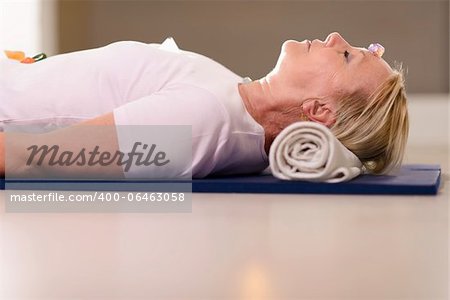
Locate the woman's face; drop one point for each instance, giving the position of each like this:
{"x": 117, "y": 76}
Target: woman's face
{"x": 325, "y": 71}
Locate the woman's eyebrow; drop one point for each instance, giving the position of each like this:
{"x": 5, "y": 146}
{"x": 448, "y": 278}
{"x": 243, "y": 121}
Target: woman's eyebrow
{"x": 364, "y": 56}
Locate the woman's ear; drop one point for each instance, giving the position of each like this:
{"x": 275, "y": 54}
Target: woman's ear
{"x": 319, "y": 112}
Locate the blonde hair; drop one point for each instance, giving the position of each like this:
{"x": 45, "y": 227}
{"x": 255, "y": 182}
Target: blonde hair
{"x": 376, "y": 128}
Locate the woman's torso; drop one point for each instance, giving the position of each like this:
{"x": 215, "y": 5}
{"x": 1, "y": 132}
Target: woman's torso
{"x": 68, "y": 88}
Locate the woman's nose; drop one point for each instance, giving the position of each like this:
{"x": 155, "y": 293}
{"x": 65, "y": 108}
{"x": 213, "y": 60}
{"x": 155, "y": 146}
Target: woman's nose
{"x": 335, "y": 39}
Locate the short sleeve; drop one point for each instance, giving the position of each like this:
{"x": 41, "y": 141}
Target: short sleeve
{"x": 182, "y": 104}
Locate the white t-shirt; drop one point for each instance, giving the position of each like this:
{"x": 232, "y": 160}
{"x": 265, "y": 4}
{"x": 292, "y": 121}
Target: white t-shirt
{"x": 143, "y": 84}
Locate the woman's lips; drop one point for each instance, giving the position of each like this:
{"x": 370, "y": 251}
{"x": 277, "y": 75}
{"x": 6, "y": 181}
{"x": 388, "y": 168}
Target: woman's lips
{"x": 308, "y": 44}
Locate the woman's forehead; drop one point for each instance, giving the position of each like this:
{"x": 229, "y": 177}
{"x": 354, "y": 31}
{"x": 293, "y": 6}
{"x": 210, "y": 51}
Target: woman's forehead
{"x": 375, "y": 67}
{"x": 368, "y": 74}
{"x": 376, "y": 61}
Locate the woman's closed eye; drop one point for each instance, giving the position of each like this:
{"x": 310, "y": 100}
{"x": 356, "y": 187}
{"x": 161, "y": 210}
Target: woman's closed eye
{"x": 346, "y": 54}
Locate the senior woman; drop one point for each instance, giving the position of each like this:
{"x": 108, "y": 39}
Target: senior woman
{"x": 234, "y": 121}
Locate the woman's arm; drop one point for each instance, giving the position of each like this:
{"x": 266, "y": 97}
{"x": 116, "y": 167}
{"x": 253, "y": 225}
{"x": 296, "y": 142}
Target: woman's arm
{"x": 99, "y": 133}
{"x": 192, "y": 148}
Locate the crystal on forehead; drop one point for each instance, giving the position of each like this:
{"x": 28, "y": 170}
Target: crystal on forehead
{"x": 376, "y": 49}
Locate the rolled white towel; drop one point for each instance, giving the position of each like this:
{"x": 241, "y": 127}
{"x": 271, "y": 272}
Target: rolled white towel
{"x": 309, "y": 151}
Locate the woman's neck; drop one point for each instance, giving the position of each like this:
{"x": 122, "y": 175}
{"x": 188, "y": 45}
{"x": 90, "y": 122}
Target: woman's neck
{"x": 255, "y": 96}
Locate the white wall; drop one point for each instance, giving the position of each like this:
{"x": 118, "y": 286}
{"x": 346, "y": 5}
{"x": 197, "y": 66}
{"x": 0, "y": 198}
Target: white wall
{"x": 20, "y": 25}
{"x": 429, "y": 120}
{"x": 429, "y": 132}
{"x": 28, "y": 25}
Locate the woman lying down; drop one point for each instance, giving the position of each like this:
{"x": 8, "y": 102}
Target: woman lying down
{"x": 234, "y": 120}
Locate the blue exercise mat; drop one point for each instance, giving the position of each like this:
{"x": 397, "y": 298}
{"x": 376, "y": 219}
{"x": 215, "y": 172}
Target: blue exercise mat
{"x": 411, "y": 180}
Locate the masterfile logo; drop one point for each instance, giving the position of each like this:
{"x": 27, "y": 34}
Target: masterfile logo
{"x": 99, "y": 152}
